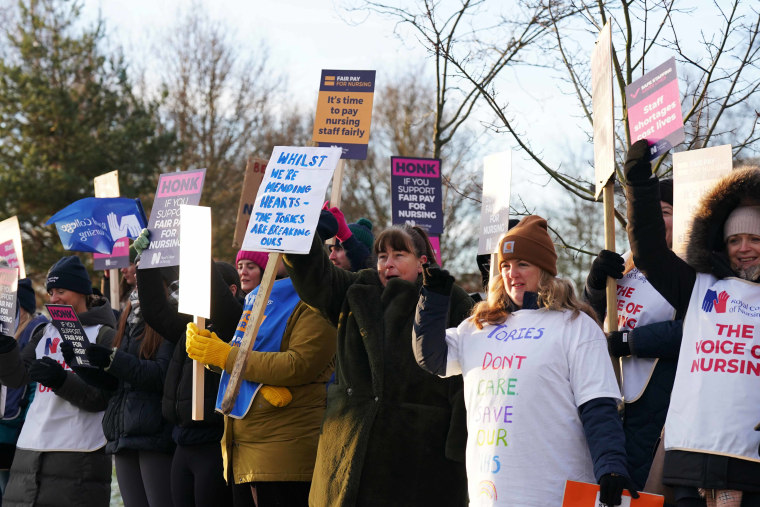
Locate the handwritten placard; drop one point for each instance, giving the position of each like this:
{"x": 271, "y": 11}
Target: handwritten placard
{"x": 290, "y": 199}
{"x": 65, "y": 320}
{"x": 174, "y": 189}
{"x": 417, "y": 194}
{"x": 494, "y": 208}
{"x": 10, "y": 245}
{"x": 8, "y": 290}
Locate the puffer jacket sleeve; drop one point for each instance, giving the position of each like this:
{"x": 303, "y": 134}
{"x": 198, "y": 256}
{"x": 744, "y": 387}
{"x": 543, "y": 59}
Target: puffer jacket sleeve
{"x": 311, "y": 347}
{"x": 143, "y": 374}
{"x": 156, "y": 309}
{"x": 319, "y": 283}
{"x": 14, "y": 364}
{"x": 456, "y": 440}
{"x": 80, "y": 394}
{"x": 658, "y": 340}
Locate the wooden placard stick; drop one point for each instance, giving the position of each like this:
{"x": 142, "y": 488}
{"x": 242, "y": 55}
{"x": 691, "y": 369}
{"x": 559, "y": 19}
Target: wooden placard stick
{"x": 611, "y": 320}
{"x": 335, "y": 194}
{"x": 251, "y": 330}
{"x": 199, "y": 379}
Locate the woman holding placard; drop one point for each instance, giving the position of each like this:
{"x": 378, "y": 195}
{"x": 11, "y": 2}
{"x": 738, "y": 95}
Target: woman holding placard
{"x": 60, "y": 458}
{"x": 540, "y": 391}
{"x": 709, "y": 439}
{"x": 389, "y": 428}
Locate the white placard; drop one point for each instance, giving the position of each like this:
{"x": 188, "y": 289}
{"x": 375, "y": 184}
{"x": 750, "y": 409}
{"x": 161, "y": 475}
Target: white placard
{"x": 494, "y": 208}
{"x": 10, "y": 245}
{"x": 290, "y": 199}
{"x": 195, "y": 260}
{"x": 694, "y": 174}
{"x": 603, "y": 108}
{"x": 107, "y": 185}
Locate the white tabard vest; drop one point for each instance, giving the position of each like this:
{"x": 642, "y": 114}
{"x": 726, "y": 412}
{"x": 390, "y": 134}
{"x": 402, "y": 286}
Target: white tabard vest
{"x": 716, "y": 397}
{"x": 52, "y": 423}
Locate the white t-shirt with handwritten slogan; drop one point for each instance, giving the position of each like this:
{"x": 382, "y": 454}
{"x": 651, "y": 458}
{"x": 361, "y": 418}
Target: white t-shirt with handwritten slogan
{"x": 524, "y": 381}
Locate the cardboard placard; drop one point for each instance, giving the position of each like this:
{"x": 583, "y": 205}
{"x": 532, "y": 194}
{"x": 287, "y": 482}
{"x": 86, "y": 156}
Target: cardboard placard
{"x": 290, "y": 199}
{"x": 10, "y": 245}
{"x": 602, "y": 100}
{"x": 344, "y": 111}
{"x": 654, "y": 109}
{"x": 107, "y": 185}
{"x": 195, "y": 261}
{"x": 65, "y": 320}
{"x": 695, "y": 172}
{"x": 254, "y": 173}
{"x": 174, "y": 189}
{"x": 583, "y": 494}
{"x": 8, "y": 291}
{"x": 417, "y": 194}
{"x": 494, "y": 207}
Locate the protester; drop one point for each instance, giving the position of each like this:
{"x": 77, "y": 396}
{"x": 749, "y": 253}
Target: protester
{"x": 17, "y": 400}
{"x": 351, "y": 250}
{"x": 250, "y": 267}
{"x": 60, "y": 458}
{"x": 137, "y": 434}
{"x": 709, "y": 439}
{"x": 231, "y": 278}
{"x": 271, "y": 434}
{"x": 197, "y": 477}
{"x": 388, "y": 425}
{"x": 540, "y": 390}
{"x": 647, "y": 342}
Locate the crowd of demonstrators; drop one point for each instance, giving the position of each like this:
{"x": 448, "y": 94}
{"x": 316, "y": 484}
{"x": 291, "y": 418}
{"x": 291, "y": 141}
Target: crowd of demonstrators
{"x": 646, "y": 343}
{"x": 711, "y": 450}
{"x": 60, "y": 454}
{"x": 389, "y": 427}
{"x": 271, "y": 434}
{"x": 555, "y": 417}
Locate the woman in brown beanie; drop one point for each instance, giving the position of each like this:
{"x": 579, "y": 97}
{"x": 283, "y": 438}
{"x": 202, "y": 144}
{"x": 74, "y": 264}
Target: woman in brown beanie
{"x": 539, "y": 387}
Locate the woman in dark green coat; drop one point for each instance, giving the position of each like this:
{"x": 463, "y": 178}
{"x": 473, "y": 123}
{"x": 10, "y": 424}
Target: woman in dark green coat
{"x": 392, "y": 435}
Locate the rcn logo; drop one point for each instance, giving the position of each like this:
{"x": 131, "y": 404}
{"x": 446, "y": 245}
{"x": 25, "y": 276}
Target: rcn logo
{"x": 716, "y": 301}
{"x": 51, "y": 346}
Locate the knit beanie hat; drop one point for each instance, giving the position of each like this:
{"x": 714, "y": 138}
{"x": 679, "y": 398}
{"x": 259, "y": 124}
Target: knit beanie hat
{"x": 229, "y": 273}
{"x": 529, "y": 240}
{"x": 26, "y": 298}
{"x": 362, "y": 231}
{"x": 258, "y": 258}
{"x": 666, "y": 190}
{"x": 743, "y": 220}
{"x": 69, "y": 273}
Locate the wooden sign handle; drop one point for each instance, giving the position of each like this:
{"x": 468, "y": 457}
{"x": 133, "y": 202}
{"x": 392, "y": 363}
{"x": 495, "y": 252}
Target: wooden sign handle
{"x": 113, "y": 278}
{"x": 198, "y": 380}
{"x": 611, "y": 320}
{"x": 251, "y": 330}
{"x": 335, "y": 195}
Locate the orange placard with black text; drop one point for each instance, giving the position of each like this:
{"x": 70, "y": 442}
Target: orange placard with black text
{"x": 583, "y": 494}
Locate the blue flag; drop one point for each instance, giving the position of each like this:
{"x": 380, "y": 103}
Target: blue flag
{"x": 93, "y": 224}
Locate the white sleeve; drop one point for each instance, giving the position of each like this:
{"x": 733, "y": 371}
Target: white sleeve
{"x": 591, "y": 373}
{"x": 453, "y": 356}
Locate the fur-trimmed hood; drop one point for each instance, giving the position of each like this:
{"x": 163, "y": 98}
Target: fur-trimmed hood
{"x": 705, "y": 249}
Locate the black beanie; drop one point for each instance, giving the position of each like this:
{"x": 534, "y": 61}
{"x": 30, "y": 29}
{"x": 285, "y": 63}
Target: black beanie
{"x": 666, "y": 190}
{"x": 26, "y": 297}
{"x": 228, "y": 272}
{"x": 69, "y": 273}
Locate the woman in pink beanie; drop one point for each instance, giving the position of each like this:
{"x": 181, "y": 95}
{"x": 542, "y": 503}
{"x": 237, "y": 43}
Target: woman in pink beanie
{"x": 250, "y": 266}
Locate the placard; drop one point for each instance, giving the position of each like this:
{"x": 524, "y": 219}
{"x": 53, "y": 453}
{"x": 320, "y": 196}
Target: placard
{"x": 10, "y": 245}
{"x": 65, "y": 320}
{"x": 8, "y": 291}
{"x": 654, "y": 109}
{"x": 435, "y": 242}
{"x": 602, "y": 100}
{"x": 344, "y": 111}
{"x": 174, "y": 190}
{"x": 290, "y": 199}
{"x": 494, "y": 207}
{"x": 254, "y": 173}
{"x": 417, "y": 194}
{"x": 583, "y": 494}
{"x": 118, "y": 259}
{"x": 107, "y": 185}
{"x": 195, "y": 261}
{"x": 695, "y": 172}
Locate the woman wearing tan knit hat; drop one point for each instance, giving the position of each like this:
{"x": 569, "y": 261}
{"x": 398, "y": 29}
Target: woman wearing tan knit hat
{"x": 539, "y": 387}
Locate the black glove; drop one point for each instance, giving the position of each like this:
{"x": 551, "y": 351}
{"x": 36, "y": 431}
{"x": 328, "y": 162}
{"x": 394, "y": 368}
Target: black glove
{"x": 327, "y": 226}
{"x": 6, "y": 343}
{"x": 617, "y": 343}
{"x": 611, "y": 486}
{"x": 67, "y": 349}
{"x": 98, "y": 355}
{"x": 47, "y": 372}
{"x": 607, "y": 263}
{"x": 437, "y": 280}
{"x": 637, "y": 167}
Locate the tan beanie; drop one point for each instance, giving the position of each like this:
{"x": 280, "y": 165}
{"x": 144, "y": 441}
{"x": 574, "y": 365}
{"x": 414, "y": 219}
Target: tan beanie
{"x": 743, "y": 220}
{"x": 529, "y": 241}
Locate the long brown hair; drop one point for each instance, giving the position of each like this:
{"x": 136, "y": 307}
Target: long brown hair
{"x": 553, "y": 293}
{"x": 149, "y": 337}
{"x": 405, "y": 238}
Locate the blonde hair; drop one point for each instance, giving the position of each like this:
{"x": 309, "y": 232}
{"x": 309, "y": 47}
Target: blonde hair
{"x": 553, "y": 294}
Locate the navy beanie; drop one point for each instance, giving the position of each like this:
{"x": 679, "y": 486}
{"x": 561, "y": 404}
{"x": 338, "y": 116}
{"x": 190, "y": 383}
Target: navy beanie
{"x": 69, "y": 273}
{"x": 26, "y": 297}
{"x": 666, "y": 190}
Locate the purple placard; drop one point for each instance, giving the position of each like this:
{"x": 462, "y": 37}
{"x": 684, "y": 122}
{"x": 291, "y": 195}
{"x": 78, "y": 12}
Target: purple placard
{"x": 8, "y": 290}
{"x": 174, "y": 189}
{"x": 416, "y": 189}
{"x": 118, "y": 259}
{"x": 654, "y": 109}
{"x": 65, "y": 320}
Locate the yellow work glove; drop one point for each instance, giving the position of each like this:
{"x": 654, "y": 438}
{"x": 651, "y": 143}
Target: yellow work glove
{"x": 276, "y": 395}
{"x": 204, "y": 346}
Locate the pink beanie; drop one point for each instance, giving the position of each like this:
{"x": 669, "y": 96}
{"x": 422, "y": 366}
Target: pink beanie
{"x": 258, "y": 258}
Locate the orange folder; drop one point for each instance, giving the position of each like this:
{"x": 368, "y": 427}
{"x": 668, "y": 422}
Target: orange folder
{"x": 583, "y": 494}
